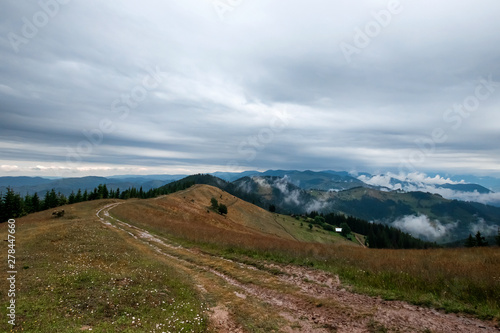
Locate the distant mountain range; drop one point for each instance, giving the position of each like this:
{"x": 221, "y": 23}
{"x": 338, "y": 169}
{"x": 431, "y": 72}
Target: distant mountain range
{"x": 446, "y": 187}
{"x": 31, "y": 185}
{"x": 424, "y": 215}
{"x": 432, "y": 208}
{"x": 307, "y": 180}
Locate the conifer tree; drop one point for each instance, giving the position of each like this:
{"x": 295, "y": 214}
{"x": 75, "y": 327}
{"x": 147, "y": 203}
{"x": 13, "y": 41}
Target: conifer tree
{"x": 61, "y": 199}
{"x": 12, "y": 205}
{"x": 28, "y": 209}
{"x": 36, "y": 205}
{"x": 72, "y": 198}
{"x": 50, "y": 200}
{"x": 470, "y": 242}
{"x": 78, "y": 197}
{"x": 2, "y": 217}
{"x": 480, "y": 240}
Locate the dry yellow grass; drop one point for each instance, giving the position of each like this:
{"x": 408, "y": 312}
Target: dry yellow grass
{"x": 75, "y": 274}
{"x": 465, "y": 280}
{"x": 96, "y": 259}
{"x": 187, "y": 215}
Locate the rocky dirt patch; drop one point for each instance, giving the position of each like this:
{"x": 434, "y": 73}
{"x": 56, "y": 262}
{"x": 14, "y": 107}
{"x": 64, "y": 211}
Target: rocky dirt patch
{"x": 309, "y": 300}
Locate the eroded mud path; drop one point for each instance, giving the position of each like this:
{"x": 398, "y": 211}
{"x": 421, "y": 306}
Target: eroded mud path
{"x": 304, "y": 300}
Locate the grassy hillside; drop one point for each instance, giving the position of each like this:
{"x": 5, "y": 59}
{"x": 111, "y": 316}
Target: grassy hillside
{"x": 75, "y": 274}
{"x": 190, "y": 210}
{"x": 171, "y": 264}
{"x": 457, "y": 280}
{"x": 374, "y": 205}
{"x": 362, "y": 202}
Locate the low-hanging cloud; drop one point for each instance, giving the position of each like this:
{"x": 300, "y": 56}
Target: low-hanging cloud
{"x": 418, "y": 181}
{"x": 261, "y": 182}
{"x": 484, "y": 227}
{"x": 291, "y": 196}
{"x": 400, "y": 181}
{"x": 316, "y": 206}
{"x": 422, "y": 227}
{"x": 492, "y": 198}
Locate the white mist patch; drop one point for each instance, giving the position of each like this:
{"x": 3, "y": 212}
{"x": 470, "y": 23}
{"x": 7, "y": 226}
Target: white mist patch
{"x": 422, "y": 178}
{"x": 492, "y": 198}
{"x": 290, "y": 196}
{"x": 483, "y": 227}
{"x": 282, "y": 185}
{"x": 316, "y": 206}
{"x": 379, "y": 180}
{"x": 245, "y": 187}
{"x": 422, "y": 227}
{"x": 293, "y": 197}
{"x": 417, "y": 180}
{"x": 261, "y": 182}
{"x": 421, "y": 182}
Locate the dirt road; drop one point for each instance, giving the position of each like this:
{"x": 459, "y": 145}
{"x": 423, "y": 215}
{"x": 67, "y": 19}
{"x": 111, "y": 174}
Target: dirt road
{"x": 297, "y": 298}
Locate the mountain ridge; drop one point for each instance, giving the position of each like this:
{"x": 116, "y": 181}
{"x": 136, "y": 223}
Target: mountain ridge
{"x": 428, "y": 216}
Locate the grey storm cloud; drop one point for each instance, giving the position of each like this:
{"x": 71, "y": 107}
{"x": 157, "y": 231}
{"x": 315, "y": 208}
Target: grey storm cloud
{"x": 154, "y": 86}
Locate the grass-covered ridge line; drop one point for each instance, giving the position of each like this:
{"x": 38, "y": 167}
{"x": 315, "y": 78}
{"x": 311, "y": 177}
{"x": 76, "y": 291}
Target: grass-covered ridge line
{"x": 456, "y": 280}
{"x": 79, "y": 275}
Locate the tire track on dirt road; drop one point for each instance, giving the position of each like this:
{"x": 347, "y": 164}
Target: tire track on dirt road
{"x": 160, "y": 244}
{"x": 309, "y": 300}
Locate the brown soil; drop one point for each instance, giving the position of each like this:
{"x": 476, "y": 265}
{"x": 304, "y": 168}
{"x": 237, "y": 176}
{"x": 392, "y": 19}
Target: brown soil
{"x": 306, "y": 300}
{"x": 222, "y": 322}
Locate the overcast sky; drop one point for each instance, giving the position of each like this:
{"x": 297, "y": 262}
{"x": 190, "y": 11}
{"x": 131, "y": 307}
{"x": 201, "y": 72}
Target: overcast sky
{"x": 147, "y": 87}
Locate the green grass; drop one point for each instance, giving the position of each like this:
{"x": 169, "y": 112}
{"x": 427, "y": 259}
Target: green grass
{"x": 74, "y": 273}
{"x": 82, "y": 276}
{"x": 455, "y": 280}
{"x": 427, "y": 278}
{"x": 304, "y": 234}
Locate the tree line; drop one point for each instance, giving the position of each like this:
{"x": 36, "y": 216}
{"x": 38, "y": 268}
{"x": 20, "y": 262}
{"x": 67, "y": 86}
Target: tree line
{"x": 378, "y": 236}
{"x": 13, "y": 205}
{"x": 479, "y": 241}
